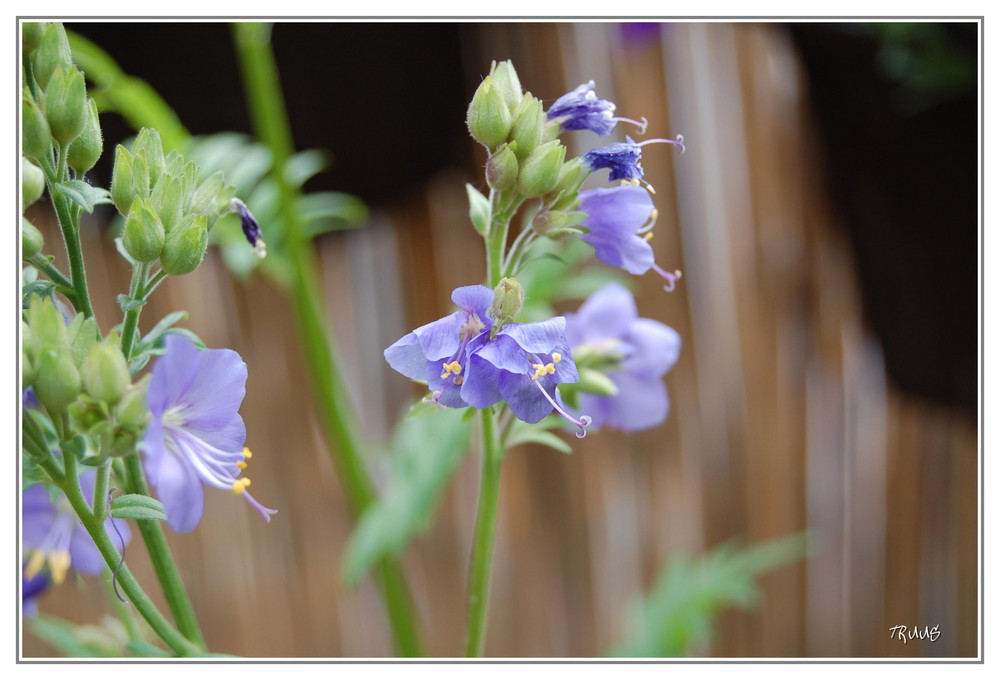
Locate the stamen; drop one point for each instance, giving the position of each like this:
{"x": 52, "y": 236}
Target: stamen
{"x": 641, "y": 125}
{"x": 671, "y": 278}
{"x": 676, "y": 142}
{"x": 434, "y": 399}
{"x": 458, "y": 380}
{"x": 242, "y": 466}
{"x": 35, "y": 563}
{"x": 648, "y": 236}
{"x": 58, "y": 565}
{"x": 247, "y": 453}
{"x": 556, "y": 357}
{"x": 582, "y": 423}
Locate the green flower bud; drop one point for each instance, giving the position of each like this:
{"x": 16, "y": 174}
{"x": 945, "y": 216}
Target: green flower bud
{"x": 36, "y": 138}
{"x": 508, "y": 300}
{"x": 212, "y": 197}
{"x": 32, "y": 240}
{"x": 132, "y": 412}
{"x": 140, "y": 175}
{"x": 557, "y": 222}
{"x": 27, "y": 370}
{"x": 501, "y": 168}
{"x": 86, "y": 149}
{"x": 540, "y": 171}
{"x": 596, "y": 382}
{"x": 91, "y": 417}
{"x": 148, "y": 140}
{"x": 46, "y": 324}
{"x": 57, "y": 382}
{"x": 121, "y": 180}
{"x": 105, "y": 373}
{"x": 167, "y": 200}
{"x": 66, "y": 104}
{"x": 144, "y": 235}
{"x": 185, "y": 246}
{"x": 489, "y": 118}
{"x": 31, "y": 35}
{"x": 83, "y": 335}
{"x": 527, "y": 130}
{"x": 32, "y": 182}
{"x": 53, "y": 53}
{"x": 505, "y": 77}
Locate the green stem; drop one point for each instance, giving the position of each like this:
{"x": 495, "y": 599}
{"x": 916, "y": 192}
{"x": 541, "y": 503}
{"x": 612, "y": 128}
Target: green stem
{"x": 496, "y": 242}
{"x": 71, "y": 487}
{"x": 132, "y": 316}
{"x": 334, "y": 409}
{"x": 101, "y": 489}
{"x": 63, "y": 284}
{"x": 69, "y": 224}
{"x": 482, "y": 542}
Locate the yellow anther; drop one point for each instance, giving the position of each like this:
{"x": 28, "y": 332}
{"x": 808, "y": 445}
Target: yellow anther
{"x": 240, "y": 485}
{"x": 458, "y": 380}
{"x": 635, "y": 182}
{"x": 648, "y": 236}
{"x": 59, "y": 565}
{"x": 538, "y": 367}
{"x": 444, "y": 376}
{"x": 241, "y": 465}
{"x": 654, "y": 213}
{"x": 550, "y": 369}
{"x": 534, "y": 377}
{"x": 247, "y": 453}
{"x": 35, "y": 564}
{"x": 556, "y": 357}
{"x": 651, "y": 188}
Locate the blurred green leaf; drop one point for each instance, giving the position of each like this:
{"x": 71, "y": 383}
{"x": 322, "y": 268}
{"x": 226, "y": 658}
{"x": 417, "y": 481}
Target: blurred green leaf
{"x": 137, "y": 506}
{"x": 677, "y": 614}
{"x": 538, "y": 433}
{"x": 85, "y": 195}
{"x": 424, "y": 455}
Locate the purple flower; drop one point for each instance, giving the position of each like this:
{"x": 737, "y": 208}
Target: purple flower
{"x": 582, "y": 110}
{"x": 31, "y": 589}
{"x": 622, "y": 158}
{"x": 196, "y": 434}
{"x": 250, "y": 226}
{"x": 466, "y": 361}
{"x": 620, "y": 222}
{"x": 634, "y": 353}
{"x": 53, "y": 534}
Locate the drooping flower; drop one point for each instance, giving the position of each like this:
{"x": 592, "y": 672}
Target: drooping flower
{"x": 54, "y": 536}
{"x": 622, "y": 159}
{"x": 582, "y": 110}
{"x": 620, "y": 221}
{"x": 250, "y": 226}
{"x": 470, "y": 359}
{"x": 196, "y": 434}
{"x": 606, "y": 333}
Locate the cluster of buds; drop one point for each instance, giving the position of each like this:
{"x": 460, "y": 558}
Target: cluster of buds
{"x": 72, "y": 371}
{"x": 168, "y": 212}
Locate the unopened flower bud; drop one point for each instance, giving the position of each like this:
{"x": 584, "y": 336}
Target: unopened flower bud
{"x": 552, "y": 222}
{"x": 47, "y": 324}
{"x": 32, "y": 182}
{"x": 66, "y": 104}
{"x": 527, "y": 130}
{"x": 31, "y": 35}
{"x": 144, "y": 235}
{"x": 540, "y": 171}
{"x": 83, "y": 335}
{"x": 571, "y": 177}
{"x": 132, "y": 411}
{"x": 185, "y": 246}
{"x": 508, "y": 300}
{"x": 212, "y": 197}
{"x": 148, "y": 140}
{"x": 489, "y": 118}
{"x": 57, "y": 382}
{"x": 53, "y": 52}
{"x": 36, "y": 138}
{"x": 501, "y": 168}
{"x": 121, "y": 180}
{"x": 167, "y": 200}
{"x": 87, "y": 148}
{"x": 105, "y": 373}
{"x": 506, "y": 79}
{"x": 32, "y": 240}
{"x": 595, "y": 382}
{"x": 27, "y": 370}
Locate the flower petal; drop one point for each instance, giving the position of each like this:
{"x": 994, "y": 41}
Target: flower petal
{"x": 642, "y": 402}
{"x": 439, "y": 339}
{"x": 537, "y": 337}
{"x": 504, "y": 353}
{"x": 406, "y": 356}
{"x": 521, "y": 394}
{"x": 172, "y": 373}
{"x": 480, "y": 387}
{"x": 217, "y": 391}
{"x": 229, "y": 437}
{"x": 38, "y": 514}
{"x": 657, "y": 347}
{"x": 179, "y": 488}
{"x": 606, "y": 314}
{"x": 474, "y": 299}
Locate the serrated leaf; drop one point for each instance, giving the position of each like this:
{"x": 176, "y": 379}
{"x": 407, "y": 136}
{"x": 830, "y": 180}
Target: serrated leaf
{"x": 424, "y": 455}
{"x": 127, "y": 303}
{"x": 479, "y": 209}
{"x": 83, "y": 194}
{"x": 137, "y": 506}
{"x": 40, "y": 287}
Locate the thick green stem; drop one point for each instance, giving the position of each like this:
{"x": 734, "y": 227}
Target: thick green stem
{"x": 334, "y": 409}
{"x": 101, "y": 483}
{"x": 69, "y": 223}
{"x": 132, "y": 316}
{"x": 482, "y": 542}
{"x": 170, "y": 635}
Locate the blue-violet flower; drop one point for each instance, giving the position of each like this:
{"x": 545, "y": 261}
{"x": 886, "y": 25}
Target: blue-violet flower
{"x": 582, "y": 110}
{"x": 634, "y": 353}
{"x": 32, "y": 588}
{"x": 468, "y": 361}
{"x": 620, "y": 221}
{"x": 622, "y": 159}
{"x": 53, "y": 535}
{"x": 196, "y": 434}
{"x": 250, "y": 226}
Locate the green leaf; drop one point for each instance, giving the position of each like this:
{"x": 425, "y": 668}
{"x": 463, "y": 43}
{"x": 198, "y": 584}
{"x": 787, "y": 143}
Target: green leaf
{"x": 83, "y": 194}
{"x": 41, "y": 287}
{"x": 479, "y": 209}
{"x": 153, "y": 337}
{"x": 127, "y": 303}
{"x": 137, "y": 506}
{"x": 677, "y": 614}
{"x": 425, "y": 453}
{"x": 143, "y": 649}
{"x": 62, "y": 635}
{"x": 537, "y": 433}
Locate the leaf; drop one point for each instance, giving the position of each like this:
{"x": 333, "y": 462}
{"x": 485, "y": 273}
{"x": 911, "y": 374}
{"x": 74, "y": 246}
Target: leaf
{"x": 479, "y": 209}
{"x": 678, "y": 612}
{"x": 537, "y": 433}
{"x": 127, "y": 303}
{"x": 62, "y": 635}
{"x": 137, "y": 506}
{"x": 143, "y": 649}
{"x": 424, "y": 455}
{"x": 138, "y": 362}
{"x": 153, "y": 336}
{"x": 40, "y": 287}
{"x": 83, "y": 194}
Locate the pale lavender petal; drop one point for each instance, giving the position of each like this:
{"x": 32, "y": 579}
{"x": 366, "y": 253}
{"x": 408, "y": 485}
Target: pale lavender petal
{"x": 228, "y": 437}
{"x": 629, "y": 252}
{"x": 173, "y": 373}
{"x": 153, "y": 449}
{"x": 597, "y": 407}
{"x": 606, "y": 314}
{"x": 179, "y": 489}
{"x": 538, "y": 337}
{"x": 217, "y": 390}
{"x": 521, "y": 394}
{"x": 406, "y": 356}
{"x": 622, "y": 208}
{"x": 38, "y": 514}
{"x": 439, "y": 339}
{"x": 657, "y": 347}
{"x": 505, "y": 353}
{"x": 480, "y": 386}
{"x": 475, "y": 299}
{"x": 641, "y": 402}
{"x": 565, "y": 368}
{"x": 84, "y": 555}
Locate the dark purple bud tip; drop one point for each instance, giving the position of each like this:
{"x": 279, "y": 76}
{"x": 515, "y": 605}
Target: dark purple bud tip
{"x": 251, "y": 229}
